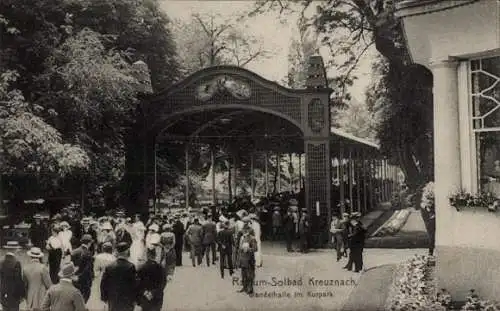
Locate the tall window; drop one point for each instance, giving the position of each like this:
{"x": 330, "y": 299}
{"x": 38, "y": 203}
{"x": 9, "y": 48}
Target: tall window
{"x": 485, "y": 99}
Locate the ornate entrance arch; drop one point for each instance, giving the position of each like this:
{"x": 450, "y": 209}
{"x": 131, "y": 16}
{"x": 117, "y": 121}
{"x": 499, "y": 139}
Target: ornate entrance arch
{"x": 229, "y": 87}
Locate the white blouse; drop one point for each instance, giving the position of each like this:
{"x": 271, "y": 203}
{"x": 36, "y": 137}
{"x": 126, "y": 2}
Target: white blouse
{"x": 54, "y": 242}
{"x": 65, "y": 237}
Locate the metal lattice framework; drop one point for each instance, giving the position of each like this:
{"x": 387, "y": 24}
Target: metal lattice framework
{"x": 231, "y": 105}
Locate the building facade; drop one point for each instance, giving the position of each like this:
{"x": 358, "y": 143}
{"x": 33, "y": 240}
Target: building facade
{"x": 459, "y": 41}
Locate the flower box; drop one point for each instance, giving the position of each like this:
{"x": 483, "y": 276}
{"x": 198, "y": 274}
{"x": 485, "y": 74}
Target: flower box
{"x": 466, "y": 201}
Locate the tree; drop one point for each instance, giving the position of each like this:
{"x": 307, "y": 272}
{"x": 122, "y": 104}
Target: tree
{"x": 31, "y": 148}
{"x": 77, "y": 67}
{"x": 300, "y": 50}
{"x": 210, "y": 40}
{"x": 349, "y": 29}
{"x": 357, "y": 119}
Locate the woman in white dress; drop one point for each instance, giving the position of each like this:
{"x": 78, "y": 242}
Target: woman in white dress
{"x": 101, "y": 261}
{"x": 256, "y": 229}
{"x": 65, "y": 236}
{"x": 137, "y": 248}
{"x": 152, "y": 235}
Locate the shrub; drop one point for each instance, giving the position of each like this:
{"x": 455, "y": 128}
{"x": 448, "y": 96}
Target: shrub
{"x": 474, "y": 302}
{"x": 415, "y": 288}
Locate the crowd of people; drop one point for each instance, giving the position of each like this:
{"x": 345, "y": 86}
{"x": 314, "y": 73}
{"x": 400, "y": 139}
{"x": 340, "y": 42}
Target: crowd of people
{"x": 132, "y": 261}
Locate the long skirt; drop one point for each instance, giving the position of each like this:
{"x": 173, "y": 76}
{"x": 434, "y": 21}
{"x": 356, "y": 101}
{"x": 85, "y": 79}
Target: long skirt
{"x": 258, "y": 254}
{"x": 55, "y": 256}
{"x": 137, "y": 252}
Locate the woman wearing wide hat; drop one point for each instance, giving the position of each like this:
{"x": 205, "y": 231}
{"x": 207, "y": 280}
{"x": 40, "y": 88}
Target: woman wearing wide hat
{"x": 37, "y": 279}
{"x": 64, "y": 296}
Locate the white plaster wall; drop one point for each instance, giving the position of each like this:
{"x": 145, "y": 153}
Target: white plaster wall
{"x": 479, "y": 229}
{"x": 467, "y": 30}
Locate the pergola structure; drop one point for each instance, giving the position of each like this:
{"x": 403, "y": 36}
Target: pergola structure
{"x": 231, "y": 106}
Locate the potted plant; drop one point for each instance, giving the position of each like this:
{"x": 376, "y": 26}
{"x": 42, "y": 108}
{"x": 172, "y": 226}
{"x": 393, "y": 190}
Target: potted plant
{"x": 462, "y": 199}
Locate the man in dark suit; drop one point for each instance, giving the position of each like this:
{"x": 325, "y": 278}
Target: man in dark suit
{"x": 12, "y": 288}
{"x": 248, "y": 247}
{"x": 194, "y": 237}
{"x": 118, "y": 284}
{"x": 225, "y": 241}
{"x": 87, "y": 229}
{"x": 356, "y": 245}
{"x": 122, "y": 235}
{"x": 289, "y": 230}
{"x": 178, "y": 230}
{"x": 151, "y": 281}
{"x": 38, "y": 232}
{"x": 83, "y": 258}
{"x": 209, "y": 235}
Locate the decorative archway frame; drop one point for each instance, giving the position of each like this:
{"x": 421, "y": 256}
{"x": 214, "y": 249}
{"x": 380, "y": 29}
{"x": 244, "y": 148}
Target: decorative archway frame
{"x": 225, "y": 87}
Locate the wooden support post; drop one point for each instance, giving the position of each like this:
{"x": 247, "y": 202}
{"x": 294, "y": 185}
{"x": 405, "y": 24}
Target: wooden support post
{"x": 235, "y": 177}
{"x": 252, "y": 183}
{"x": 370, "y": 183}
{"x": 300, "y": 172}
{"x": 388, "y": 180}
{"x": 358, "y": 180}
{"x": 267, "y": 173}
{"x": 365, "y": 188}
{"x": 349, "y": 176}
{"x": 341, "y": 179}
{"x": 290, "y": 183}
{"x": 187, "y": 175}
{"x": 155, "y": 194}
{"x": 278, "y": 163}
{"x": 214, "y": 194}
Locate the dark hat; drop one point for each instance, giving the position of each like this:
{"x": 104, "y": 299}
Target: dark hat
{"x": 86, "y": 238}
{"x": 107, "y": 246}
{"x": 122, "y": 247}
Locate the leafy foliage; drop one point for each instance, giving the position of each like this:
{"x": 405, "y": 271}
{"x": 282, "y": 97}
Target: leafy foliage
{"x": 209, "y": 40}
{"x": 29, "y": 144}
{"x": 80, "y": 74}
{"x": 401, "y": 94}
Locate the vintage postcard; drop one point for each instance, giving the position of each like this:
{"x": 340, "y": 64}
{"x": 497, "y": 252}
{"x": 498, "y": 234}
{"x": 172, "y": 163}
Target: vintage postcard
{"x": 188, "y": 155}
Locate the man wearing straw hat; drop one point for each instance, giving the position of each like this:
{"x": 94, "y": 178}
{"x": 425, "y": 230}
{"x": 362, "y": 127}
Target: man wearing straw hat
{"x": 64, "y": 296}
{"x": 37, "y": 279}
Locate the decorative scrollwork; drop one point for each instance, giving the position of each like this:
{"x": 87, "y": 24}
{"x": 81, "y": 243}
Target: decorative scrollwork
{"x": 238, "y": 89}
{"x": 316, "y": 117}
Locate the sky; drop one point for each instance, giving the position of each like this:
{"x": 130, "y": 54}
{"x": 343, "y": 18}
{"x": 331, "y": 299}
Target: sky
{"x": 273, "y": 33}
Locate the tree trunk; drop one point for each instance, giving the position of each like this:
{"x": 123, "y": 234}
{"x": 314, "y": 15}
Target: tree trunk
{"x": 230, "y": 182}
